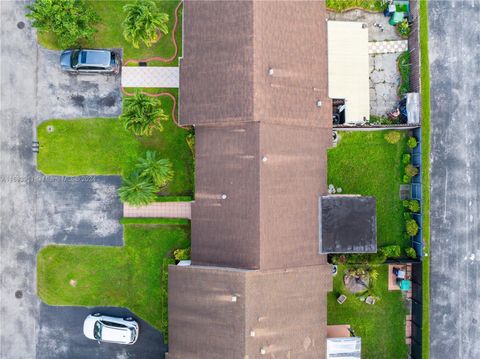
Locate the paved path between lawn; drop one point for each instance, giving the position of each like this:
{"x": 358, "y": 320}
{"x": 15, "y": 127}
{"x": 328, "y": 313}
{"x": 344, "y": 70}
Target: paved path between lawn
{"x": 150, "y": 76}
{"x": 387, "y": 47}
{"x": 160, "y": 210}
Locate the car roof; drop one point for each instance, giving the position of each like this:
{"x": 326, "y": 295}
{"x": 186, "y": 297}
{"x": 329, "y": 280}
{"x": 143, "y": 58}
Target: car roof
{"x": 95, "y": 57}
{"x": 114, "y": 334}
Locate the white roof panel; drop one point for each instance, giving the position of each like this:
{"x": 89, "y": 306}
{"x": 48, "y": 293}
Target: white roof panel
{"x": 348, "y": 68}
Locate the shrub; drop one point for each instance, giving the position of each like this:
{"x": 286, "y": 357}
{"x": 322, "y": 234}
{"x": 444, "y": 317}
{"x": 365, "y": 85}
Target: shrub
{"x": 182, "y": 254}
{"x": 392, "y": 137}
{"x": 411, "y": 253}
{"x": 412, "y": 142}
{"x": 69, "y": 20}
{"x": 367, "y": 258}
{"x": 414, "y": 206}
{"x": 159, "y": 171}
{"x": 142, "y": 23}
{"x": 137, "y": 191}
{"x": 412, "y": 227}
{"x": 411, "y": 170}
{"x": 404, "y": 28}
{"x": 406, "y": 158}
{"x": 392, "y": 251}
{"x": 406, "y": 179}
{"x": 407, "y": 215}
{"x": 142, "y": 114}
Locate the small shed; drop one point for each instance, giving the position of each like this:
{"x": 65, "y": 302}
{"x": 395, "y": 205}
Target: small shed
{"x": 347, "y": 224}
{"x": 348, "y": 68}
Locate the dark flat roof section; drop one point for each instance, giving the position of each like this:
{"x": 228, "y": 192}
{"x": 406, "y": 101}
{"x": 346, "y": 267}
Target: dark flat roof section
{"x": 347, "y": 224}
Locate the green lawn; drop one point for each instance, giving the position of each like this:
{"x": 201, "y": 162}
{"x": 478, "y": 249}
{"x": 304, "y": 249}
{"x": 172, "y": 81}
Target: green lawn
{"x": 381, "y": 326}
{"x": 342, "y": 5}
{"x": 128, "y": 276}
{"x": 102, "y": 146}
{"x": 425, "y": 93}
{"x": 404, "y": 68}
{"x": 364, "y": 163}
{"x": 110, "y": 32}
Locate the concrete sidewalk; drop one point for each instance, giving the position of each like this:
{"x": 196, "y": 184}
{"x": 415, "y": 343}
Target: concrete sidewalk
{"x": 160, "y": 210}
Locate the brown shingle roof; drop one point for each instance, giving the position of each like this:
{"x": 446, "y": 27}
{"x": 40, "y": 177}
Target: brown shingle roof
{"x": 272, "y": 176}
{"x": 286, "y": 310}
{"x": 229, "y": 48}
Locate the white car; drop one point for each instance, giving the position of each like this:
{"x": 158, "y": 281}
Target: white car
{"x": 103, "y": 328}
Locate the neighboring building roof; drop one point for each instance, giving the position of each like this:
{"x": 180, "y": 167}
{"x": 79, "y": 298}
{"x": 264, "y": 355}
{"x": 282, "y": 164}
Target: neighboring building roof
{"x": 347, "y": 224}
{"x": 282, "y": 312}
{"x": 225, "y": 70}
{"x": 272, "y": 176}
{"x": 348, "y": 68}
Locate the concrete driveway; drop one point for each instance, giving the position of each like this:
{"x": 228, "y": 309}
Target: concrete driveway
{"x": 455, "y": 179}
{"x": 37, "y": 210}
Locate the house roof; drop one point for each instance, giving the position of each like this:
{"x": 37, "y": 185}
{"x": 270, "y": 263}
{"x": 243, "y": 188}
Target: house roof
{"x": 261, "y": 139}
{"x": 347, "y": 224}
{"x": 259, "y": 61}
{"x": 272, "y": 176}
{"x": 280, "y": 311}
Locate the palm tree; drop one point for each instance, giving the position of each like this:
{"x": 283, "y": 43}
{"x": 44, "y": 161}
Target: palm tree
{"x": 142, "y": 114}
{"x": 137, "y": 191}
{"x": 157, "y": 170}
{"x": 142, "y": 22}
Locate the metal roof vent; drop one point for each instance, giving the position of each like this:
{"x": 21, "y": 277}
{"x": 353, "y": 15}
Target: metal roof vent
{"x": 263, "y": 351}
{"x": 234, "y": 298}
{"x": 223, "y": 196}
{"x": 319, "y": 103}
{"x": 270, "y": 71}
{"x": 264, "y": 159}
{"x": 252, "y": 333}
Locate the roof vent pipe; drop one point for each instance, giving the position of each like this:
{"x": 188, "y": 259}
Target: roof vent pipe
{"x": 252, "y": 333}
{"x": 319, "y": 103}
{"x": 263, "y": 351}
{"x": 223, "y": 196}
{"x": 234, "y": 298}
{"x": 264, "y": 159}
{"x": 270, "y": 71}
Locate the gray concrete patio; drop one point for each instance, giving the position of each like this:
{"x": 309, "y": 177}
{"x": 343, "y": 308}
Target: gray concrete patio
{"x": 384, "y": 82}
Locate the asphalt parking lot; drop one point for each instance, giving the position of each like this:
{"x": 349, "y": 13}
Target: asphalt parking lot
{"x": 454, "y": 35}
{"x": 39, "y": 210}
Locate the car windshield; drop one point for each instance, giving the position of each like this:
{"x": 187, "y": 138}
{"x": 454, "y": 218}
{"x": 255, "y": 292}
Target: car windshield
{"x": 75, "y": 58}
{"x": 97, "y": 330}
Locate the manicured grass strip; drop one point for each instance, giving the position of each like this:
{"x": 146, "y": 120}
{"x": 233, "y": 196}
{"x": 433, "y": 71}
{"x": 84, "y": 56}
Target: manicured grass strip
{"x": 165, "y": 221}
{"x": 381, "y": 326}
{"x": 110, "y": 32}
{"x": 343, "y": 5}
{"x": 425, "y": 93}
{"x": 165, "y": 264}
{"x": 129, "y": 276}
{"x": 364, "y": 163}
{"x": 85, "y": 147}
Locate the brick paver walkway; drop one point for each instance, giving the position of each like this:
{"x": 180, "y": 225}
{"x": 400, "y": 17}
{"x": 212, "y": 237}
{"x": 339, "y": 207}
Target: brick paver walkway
{"x": 160, "y": 210}
{"x": 150, "y": 76}
{"x": 387, "y": 47}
